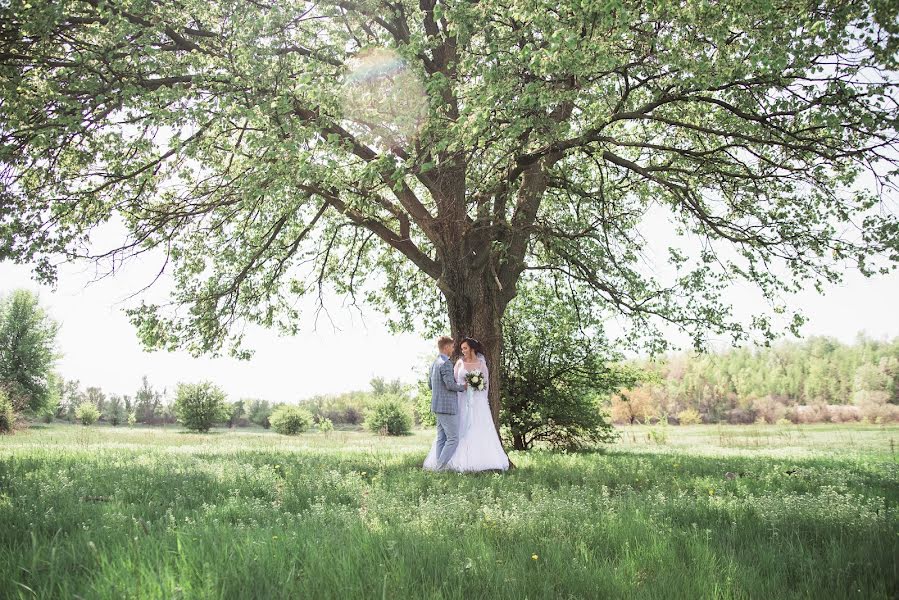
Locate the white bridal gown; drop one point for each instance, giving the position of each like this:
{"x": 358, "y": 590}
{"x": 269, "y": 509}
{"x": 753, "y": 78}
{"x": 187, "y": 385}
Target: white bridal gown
{"x": 479, "y": 446}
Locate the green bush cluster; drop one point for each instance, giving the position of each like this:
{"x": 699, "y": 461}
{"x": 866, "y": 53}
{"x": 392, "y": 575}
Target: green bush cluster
{"x": 290, "y": 420}
{"x": 87, "y": 413}
{"x": 325, "y": 425}
{"x": 200, "y": 405}
{"x": 389, "y": 415}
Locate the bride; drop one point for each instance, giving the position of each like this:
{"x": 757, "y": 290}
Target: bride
{"x": 479, "y": 447}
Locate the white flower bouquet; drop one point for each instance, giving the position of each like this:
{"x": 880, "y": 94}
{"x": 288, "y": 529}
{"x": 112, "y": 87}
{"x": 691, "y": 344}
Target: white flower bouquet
{"x": 475, "y": 380}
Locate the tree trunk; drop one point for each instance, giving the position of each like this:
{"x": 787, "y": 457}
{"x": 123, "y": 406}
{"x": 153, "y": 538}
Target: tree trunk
{"x": 476, "y": 304}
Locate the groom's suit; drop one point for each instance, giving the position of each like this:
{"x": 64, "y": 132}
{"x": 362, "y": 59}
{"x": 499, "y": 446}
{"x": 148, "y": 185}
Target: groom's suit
{"x": 445, "y": 404}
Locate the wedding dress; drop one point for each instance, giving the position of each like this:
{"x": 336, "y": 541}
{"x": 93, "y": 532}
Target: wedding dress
{"x": 479, "y": 447}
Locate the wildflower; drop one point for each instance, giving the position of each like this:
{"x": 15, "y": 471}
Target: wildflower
{"x": 534, "y": 557}
{"x": 711, "y": 492}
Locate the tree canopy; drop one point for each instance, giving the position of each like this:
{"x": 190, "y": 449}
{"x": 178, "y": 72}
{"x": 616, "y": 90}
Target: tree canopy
{"x": 269, "y": 149}
{"x": 27, "y": 350}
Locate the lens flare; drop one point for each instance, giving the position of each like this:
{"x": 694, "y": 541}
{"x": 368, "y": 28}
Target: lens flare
{"x": 384, "y": 102}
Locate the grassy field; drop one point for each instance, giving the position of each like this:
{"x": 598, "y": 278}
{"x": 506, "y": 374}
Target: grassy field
{"x": 668, "y": 512}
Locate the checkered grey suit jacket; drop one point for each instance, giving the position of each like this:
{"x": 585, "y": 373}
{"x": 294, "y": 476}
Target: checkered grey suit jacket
{"x": 444, "y": 387}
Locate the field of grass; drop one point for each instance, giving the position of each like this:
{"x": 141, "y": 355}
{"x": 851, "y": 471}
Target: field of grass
{"x": 668, "y": 512}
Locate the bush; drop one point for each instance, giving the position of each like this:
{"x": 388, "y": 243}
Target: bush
{"x": 199, "y": 405}
{"x": 389, "y": 416}
{"x": 768, "y": 409}
{"x": 87, "y": 413}
{"x": 784, "y": 421}
{"x": 556, "y": 374}
{"x": 422, "y": 408}
{"x": 132, "y": 418}
{"x": 689, "y": 417}
{"x": 7, "y": 414}
{"x": 290, "y": 420}
{"x": 325, "y": 425}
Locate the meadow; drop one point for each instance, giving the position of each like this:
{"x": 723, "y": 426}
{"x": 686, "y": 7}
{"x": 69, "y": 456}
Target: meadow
{"x": 667, "y": 512}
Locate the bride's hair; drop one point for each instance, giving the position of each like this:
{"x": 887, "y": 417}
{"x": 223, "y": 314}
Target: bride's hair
{"x": 476, "y": 346}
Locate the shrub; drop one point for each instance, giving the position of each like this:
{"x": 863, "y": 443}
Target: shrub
{"x": 843, "y": 413}
{"x": 389, "y": 416}
{"x": 87, "y": 413}
{"x": 7, "y": 414}
{"x": 325, "y": 425}
{"x": 290, "y": 420}
{"x": 689, "y": 417}
{"x": 199, "y": 405}
{"x": 132, "y": 418}
{"x": 784, "y": 421}
{"x": 768, "y": 409}
{"x": 422, "y": 407}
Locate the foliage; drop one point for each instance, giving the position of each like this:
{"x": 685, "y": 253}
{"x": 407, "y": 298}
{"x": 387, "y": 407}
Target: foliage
{"x": 237, "y": 414}
{"x": 807, "y": 381}
{"x": 325, "y": 426}
{"x": 381, "y": 387}
{"x": 389, "y": 415}
{"x": 633, "y": 406}
{"x": 348, "y": 408}
{"x": 148, "y": 403}
{"x": 87, "y": 413}
{"x": 422, "y": 406}
{"x": 132, "y": 418}
{"x": 259, "y": 411}
{"x": 7, "y": 413}
{"x": 689, "y": 417}
{"x": 529, "y": 137}
{"x": 289, "y": 419}
{"x": 556, "y": 377}
{"x": 200, "y": 405}
{"x": 115, "y": 410}
{"x": 27, "y": 350}
{"x": 341, "y": 506}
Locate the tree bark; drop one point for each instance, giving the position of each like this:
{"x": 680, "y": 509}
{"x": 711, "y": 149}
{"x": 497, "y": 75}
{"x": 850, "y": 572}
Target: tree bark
{"x": 476, "y": 306}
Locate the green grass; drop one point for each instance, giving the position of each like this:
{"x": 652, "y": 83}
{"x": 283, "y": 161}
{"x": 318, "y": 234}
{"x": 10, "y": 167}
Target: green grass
{"x": 102, "y": 512}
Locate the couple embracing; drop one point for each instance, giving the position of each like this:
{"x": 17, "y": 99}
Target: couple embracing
{"x": 466, "y": 438}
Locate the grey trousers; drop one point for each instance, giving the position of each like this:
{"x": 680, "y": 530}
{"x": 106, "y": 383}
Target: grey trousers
{"x": 447, "y": 438}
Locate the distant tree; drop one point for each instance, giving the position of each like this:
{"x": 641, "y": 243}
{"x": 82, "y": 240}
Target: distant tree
{"x": 259, "y": 411}
{"x": 200, "y": 405}
{"x": 380, "y": 387}
{"x": 236, "y": 413}
{"x": 633, "y": 406}
{"x": 147, "y": 402}
{"x": 114, "y": 410}
{"x": 95, "y": 396}
{"x": 56, "y": 387}
{"x": 27, "y": 350}
{"x": 71, "y": 398}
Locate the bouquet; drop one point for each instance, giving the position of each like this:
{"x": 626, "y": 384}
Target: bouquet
{"x": 475, "y": 380}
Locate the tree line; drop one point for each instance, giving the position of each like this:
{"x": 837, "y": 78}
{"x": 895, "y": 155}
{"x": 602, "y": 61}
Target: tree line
{"x": 816, "y": 380}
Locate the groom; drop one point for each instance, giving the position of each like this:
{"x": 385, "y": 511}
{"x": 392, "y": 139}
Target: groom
{"x": 444, "y": 402}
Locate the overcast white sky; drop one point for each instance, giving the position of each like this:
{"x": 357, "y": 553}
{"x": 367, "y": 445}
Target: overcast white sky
{"x": 99, "y": 346}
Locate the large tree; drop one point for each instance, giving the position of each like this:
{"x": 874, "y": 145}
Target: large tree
{"x": 273, "y": 148}
{"x": 27, "y": 351}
